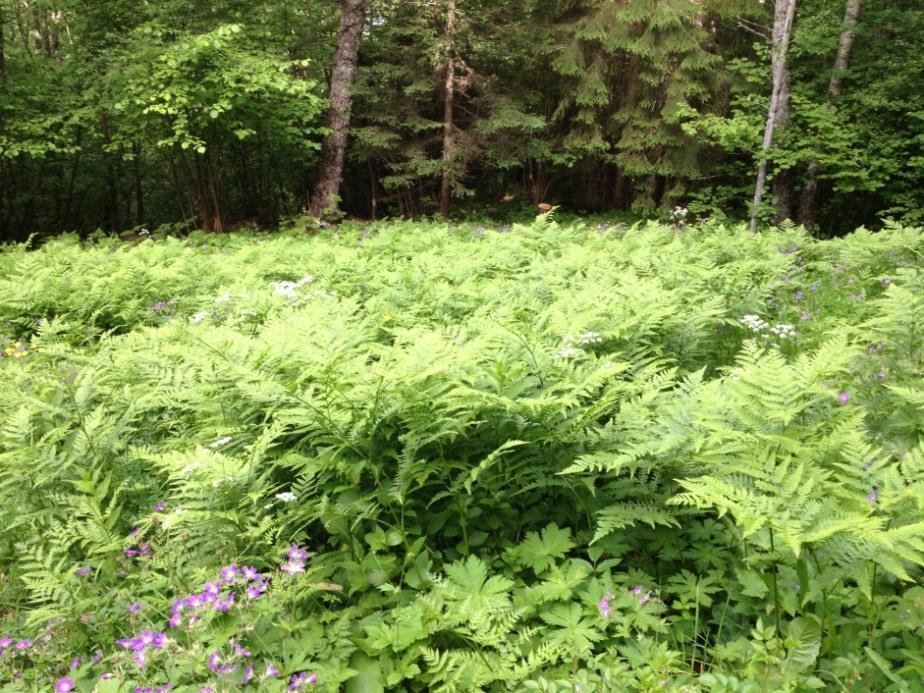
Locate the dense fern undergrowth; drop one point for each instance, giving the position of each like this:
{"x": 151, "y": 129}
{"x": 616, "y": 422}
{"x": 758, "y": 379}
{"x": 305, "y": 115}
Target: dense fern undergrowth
{"x": 415, "y": 457}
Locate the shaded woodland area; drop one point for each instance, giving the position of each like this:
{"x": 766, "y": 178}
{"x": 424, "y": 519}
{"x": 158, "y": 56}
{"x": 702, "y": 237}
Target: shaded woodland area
{"x": 119, "y": 115}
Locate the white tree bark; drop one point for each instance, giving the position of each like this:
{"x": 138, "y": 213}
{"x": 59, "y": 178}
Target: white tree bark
{"x": 782, "y": 33}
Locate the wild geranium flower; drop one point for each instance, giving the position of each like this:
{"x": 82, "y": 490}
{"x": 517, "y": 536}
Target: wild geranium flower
{"x": 160, "y": 506}
{"x": 250, "y": 573}
{"x": 805, "y": 317}
{"x": 644, "y": 598}
{"x": 604, "y": 607}
{"x": 799, "y": 295}
{"x": 248, "y": 675}
{"x": 297, "y": 681}
{"x": 873, "y": 496}
{"x": 229, "y": 573}
{"x": 64, "y": 685}
{"x": 133, "y": 608}
{"x": 5, "y": 643}
{"x": 75, "y": 663}
{"x": 292, "y": 567}
{"x": 84, "y": 570}
{"x": 256, "y": 590}
{"x": 843, "y": 397}
{"x": 271, "y": 671}
{"x": 23, "y": 644}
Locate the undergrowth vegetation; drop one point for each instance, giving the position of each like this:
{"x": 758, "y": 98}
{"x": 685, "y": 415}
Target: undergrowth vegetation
{"x": 443, "y": 458}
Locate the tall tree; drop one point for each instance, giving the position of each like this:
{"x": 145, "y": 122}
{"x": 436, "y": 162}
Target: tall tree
{"x": 807, "y": 205}
{"x": 343, "y": 73}
{"x": 783, "y": 16}
{"x": 449, "y": 92}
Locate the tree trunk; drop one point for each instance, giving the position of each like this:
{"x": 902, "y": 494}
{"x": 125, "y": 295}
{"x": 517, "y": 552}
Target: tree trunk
{"x": 139, "y": 189}
{"x": 343, "y": 73}
{"x": 807, "y": 211}
{"x": 782, "y": 31}
{"x": 782, "y": 180}
{"x": 449, "y": 93}
{"x": 2, "y": 45}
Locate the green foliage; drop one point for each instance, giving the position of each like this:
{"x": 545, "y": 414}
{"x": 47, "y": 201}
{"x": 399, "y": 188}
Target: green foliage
{"x": 622, "y": 458}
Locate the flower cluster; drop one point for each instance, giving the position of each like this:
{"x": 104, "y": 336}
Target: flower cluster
{"x": 163, "y": 306}
{"x": 16, "y": 350}
{"x": 298, "y": 681}
{"x": 754, "y": 323}
{"x": 589, "y": 338}
{"x": 784, "y": 330}
{"x": 218, "y": 596}
{"x": 568, "y": 352}
{"x": 142, "y": 643}
{"x": 290, "y": 289}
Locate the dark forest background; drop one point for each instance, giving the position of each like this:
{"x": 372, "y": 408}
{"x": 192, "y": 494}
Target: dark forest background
{"x": 121, "y": 114}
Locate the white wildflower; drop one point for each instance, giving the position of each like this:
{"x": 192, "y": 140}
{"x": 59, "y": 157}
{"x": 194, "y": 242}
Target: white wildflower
{"x": 589, "y": 338}
{"x": 198, "y": 317}
{"x": 286, "y": 496}
{"x": 783, "y": 330}
{"x": 568, "y": 352}
{"x": 754, "y": 323}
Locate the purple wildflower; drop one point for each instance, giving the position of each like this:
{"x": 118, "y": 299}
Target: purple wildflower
{"x": 873, "y": 496}
{"x": 814, "y": 287}
{"x": 105, "y": 676}
{"x": 230, "y": 572}
{"x": 604, "y": 607}
{"x": 271, "y": 671}
{"x": 296, "y": 554}
{"x": 238, "y": 650}
{"x": 84, "y": 570}
{"x": 805, "y": 317}
{"x": 637, "y": 589}
{"x": 256, "y": 591}
{"x": 644, "y": 598}
{"x": 133, "y": 608}
{"x": 5, "y": 643}
{"x": 97, "y": 656}
{"x": 75, "y": 663}
{"x": 799, "y": 295}
{"x": 160, "y": 506}
{"x": 213, "y": 661}
{"x": 134, "y": 531}
{"x": 250, "y": 573}
{"x": 224, "y": 605}
{"x": 843, "y": 397}
{"x": 64, "y": 685}
{"x": 292, "y": 567}
{"x": 23, "y": 644}
{"x": 248, "y": 675}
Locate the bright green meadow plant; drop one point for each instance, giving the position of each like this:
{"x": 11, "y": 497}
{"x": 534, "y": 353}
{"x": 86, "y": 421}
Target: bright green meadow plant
{"x": 433, "y": 457}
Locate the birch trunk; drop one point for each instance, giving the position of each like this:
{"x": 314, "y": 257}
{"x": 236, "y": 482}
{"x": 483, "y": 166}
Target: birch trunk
{"x": 782, "y": 32}
{"x": 807, "y": 208}
{"x": 343, "y": 73}
{"x": 449, "y": 93}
